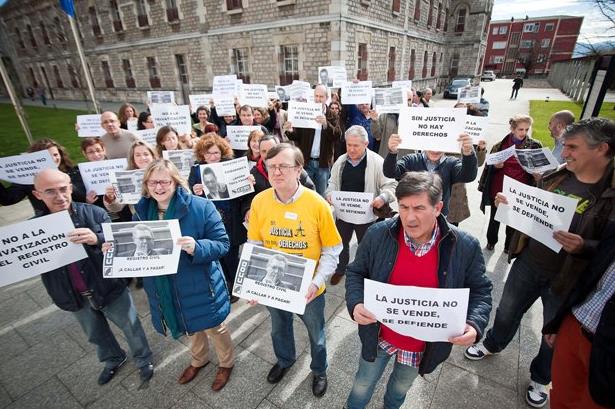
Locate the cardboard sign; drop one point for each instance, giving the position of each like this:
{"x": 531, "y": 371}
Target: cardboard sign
{"x": 22, "y": 168}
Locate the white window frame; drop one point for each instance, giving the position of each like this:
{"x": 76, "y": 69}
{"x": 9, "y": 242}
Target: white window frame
{"x": 545, "y": 43}
{"x": 498, "y": 45}
{"x": 503, "y": 30}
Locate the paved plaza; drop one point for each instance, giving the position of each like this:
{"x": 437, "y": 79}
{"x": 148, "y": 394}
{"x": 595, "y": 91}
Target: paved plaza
{"x": 47, "y": 362}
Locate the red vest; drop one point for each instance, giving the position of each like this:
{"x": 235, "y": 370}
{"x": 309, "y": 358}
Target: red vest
{"x": 416, "y": 271}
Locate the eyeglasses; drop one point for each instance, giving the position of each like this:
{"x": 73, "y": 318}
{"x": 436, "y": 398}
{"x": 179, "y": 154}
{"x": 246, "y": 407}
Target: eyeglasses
{"x": 163, "y": 183}
{"x": 213, "y": 153}
{"x": 51, "y": 193}
{"x": 284, "y": 169}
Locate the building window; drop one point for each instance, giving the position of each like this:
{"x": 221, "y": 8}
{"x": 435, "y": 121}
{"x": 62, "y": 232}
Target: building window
{"x": 152, "y": 70}
{"x": 494, "y": 31}
{"x": 411, "y": 66}
{"x": 234, "y": 5}
{"x": 549, "y": 27}
{"x": 44, "y": 33}
{"x": 430, "y": 14}
{"x": 289, "y": 64}
{"x": 433, "y": 64}
{"x": 32, "y": 77}
{"x": 239, "y": 64}
{"x": 31, "y": 36}
{"x": 362, "y": 62}
{"x": 59, "y": 30}
{"x": 130, "y": 79}
{"x": 498, "y": 59}
{"x": 94, "y": 22}
{"x": 527, "y": 43}
{"x": 107, "y": 74}
{"x": 116, "y": 17}
{"x": 424, "y": 71}
{"x": 439, "y": 18}
{"x": 531, "y": 27}
{"x": 454, "y": 69}
{"x": 503, "y": 30}
{"x": 446, "y": 19}
{"x": 391, "y": 70}
{"x": 182, "y": 68}
{"x": 74, "y": 78}
{"x": 142, "y": 19}
{"x": 19, "y": 39}
{"x": 541, "y": 58}
{"x": 498, "y": 45}
{"x": 545, "y": 43}
{"x": 56, "y": 74}
{"x": 396, "y": 6}
{"x": 172, "y": 11}
{"x": 460, "y": 26}
{"x": 417, "y": 10}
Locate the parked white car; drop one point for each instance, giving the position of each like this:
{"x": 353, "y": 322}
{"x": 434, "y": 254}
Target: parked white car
{"x": 488, "y": 76}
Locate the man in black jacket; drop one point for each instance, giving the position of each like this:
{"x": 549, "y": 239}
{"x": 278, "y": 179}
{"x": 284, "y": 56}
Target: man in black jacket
{"x": 81, "y": 289}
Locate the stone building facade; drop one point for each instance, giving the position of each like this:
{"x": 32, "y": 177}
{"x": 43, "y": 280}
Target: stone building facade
{"x": 136, "y": 45}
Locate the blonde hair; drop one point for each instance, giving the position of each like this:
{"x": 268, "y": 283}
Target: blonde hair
{"x": 162, "y": 165}
{"x": 520, "y": 118}
{"x": 131, "y": 154}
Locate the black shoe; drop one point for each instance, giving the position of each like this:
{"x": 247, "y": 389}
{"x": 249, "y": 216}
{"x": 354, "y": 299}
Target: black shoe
{"x": 146, "y": 372}
{"x": 490, "y": 246}
{"x": 276, "y": 374}
{"x": 234, "y": 299}
{"x": 319, "y": 385}
{"x": 108, "y": 373}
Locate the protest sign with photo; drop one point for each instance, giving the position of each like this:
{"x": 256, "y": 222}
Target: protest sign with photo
{"x": 539, "y": 160}
{"x": 332, "y": 76}
{"x": 303, "y": 114}
{"x": 476, "y": 127}
{"x": 89, "y": 126}
{"x": 160, "y": 97}
{"x": 148, "y": 135}
{"x": 237, "y": 135}
{"x": 357, "y": 93}
{"x": 282, "y": 93}
{"x": 389, "y": 100}
{"x": 254, "y": 95}
{"x": 95, "y": 175}
{"x": 469, "y": 95}
{"x": 427, "y": 314}
{"x": 273, "y": 278}
{"x": 199, "y": 100}
{"x": 177, "y": 116}
{"x": 226, "y": 180}
{"x": 353, "y": 207}
{"x": 183, "y": 159}
{"x": 22, "y": 168}
{"x": 141, "y": 248}
{"x": 300, "y": 91}
{"x": 500, "y": 156}
{"x": 36, "y": 246}
{"x": 535, "y": 212}
{"x": 127, "y": 185}
{"x": 434, "y": 129}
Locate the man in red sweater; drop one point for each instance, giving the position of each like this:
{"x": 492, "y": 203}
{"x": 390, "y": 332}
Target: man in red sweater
{"x": 418, "y": 248}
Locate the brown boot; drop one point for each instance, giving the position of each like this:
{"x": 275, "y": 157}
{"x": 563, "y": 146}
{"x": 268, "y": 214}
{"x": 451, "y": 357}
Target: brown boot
{"x": 189, "y": 374}
{"x": 222, "y": 377}
{"x": 336, "y": 278}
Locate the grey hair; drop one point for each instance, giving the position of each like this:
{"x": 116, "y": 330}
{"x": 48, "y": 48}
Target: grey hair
{"x": 415, "y": 183}
{"x": 357, "y": 130}
{"x": 595, "y": 131}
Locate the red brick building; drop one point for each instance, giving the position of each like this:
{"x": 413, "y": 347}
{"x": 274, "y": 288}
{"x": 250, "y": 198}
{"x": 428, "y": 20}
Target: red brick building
{"x": 531, "y": 44}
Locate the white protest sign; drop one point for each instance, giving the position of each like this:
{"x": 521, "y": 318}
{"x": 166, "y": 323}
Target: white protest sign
{"x": 127, "y": 185}
{"x": 272, "y": 95}
{"x": 303, "y": 114}
{"x": 476, "y": 126}
{"x": 132, "y": 124}
{"x": 199, "y": 100}
{"x": 353, "y": 207}
{"x": 22, "y": 168}
{"x": 183, "y": 159}
{"x": 357, "y": 93}
{"x": 226, "y": 180}
{"x": 389, "y": 100}
{"x": 535, "y": 212}
{"x": 147, "y": 135}
{"x": 89, "y": 126}
{"x": 95, "y": 175}
{"x": 469, "y": 95}
{"x": 36, "y": 246}
{"x": 254, "y": 95}
{"x": 225, "y": 85}
{"x": 282, "y": 93}
{"x": 332, "y": 76}
{"x": 237, "y": 135}
{"x": 141, "y": 249}
{"x": 225, "y": 105}
{"x": 177, "y": 116}
{"x": 434, "y": 129}
{"x": 406, "y": 84}
{"x": 427, "y": 314}
{"x": 536, "y": 160}
{"x": 273, "y": 278}
{"x": 160, "y": 97}
{"x": 300, "y": 91}
{"x": 500, "y": 156}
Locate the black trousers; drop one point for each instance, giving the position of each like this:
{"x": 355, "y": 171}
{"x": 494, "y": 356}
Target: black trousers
{"x": 494, "y": 228}
{"x": 346, "y": 229}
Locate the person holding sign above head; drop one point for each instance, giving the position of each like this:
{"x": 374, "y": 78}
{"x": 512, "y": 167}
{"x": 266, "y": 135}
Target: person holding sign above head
{"x": 492, "y": 177}
{"x": 296, "y": 220}
{"x": 450, "y": 169}
{"x": 417, "y": 248}
{"x": 81, "y": 289}
{"x": 193, "y": 302}
{"x": 358, "y": 170}
{"x": 117, "y": 140}
{"x": 364, "y": 115}
{"x": 538, "y": 271}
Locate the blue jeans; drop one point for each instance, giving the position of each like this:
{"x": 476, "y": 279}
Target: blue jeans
{"x": 320, "y": 176}
{"x": 122, "y": 313}
{"x": 523, "y": 287}
{"x": 368, "y": 375}
{"x": 283, "y": 337}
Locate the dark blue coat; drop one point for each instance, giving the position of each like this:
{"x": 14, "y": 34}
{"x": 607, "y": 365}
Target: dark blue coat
{"x": 460, "y": 265}
{"x": 199, "y": 288}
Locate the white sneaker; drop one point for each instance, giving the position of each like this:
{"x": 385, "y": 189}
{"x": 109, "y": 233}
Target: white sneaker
{"x": 477, "y": 352}
{"x": 537, "y": 394}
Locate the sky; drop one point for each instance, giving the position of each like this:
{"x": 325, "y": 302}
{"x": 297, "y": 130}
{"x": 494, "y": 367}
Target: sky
{"x": 595, "y": 26}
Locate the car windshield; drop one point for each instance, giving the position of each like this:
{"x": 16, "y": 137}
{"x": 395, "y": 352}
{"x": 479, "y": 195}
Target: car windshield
{"x": 459, "y": 83}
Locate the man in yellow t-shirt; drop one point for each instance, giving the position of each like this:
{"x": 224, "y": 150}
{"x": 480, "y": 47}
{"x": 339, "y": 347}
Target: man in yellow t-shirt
{"x": 295, "y": 220}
